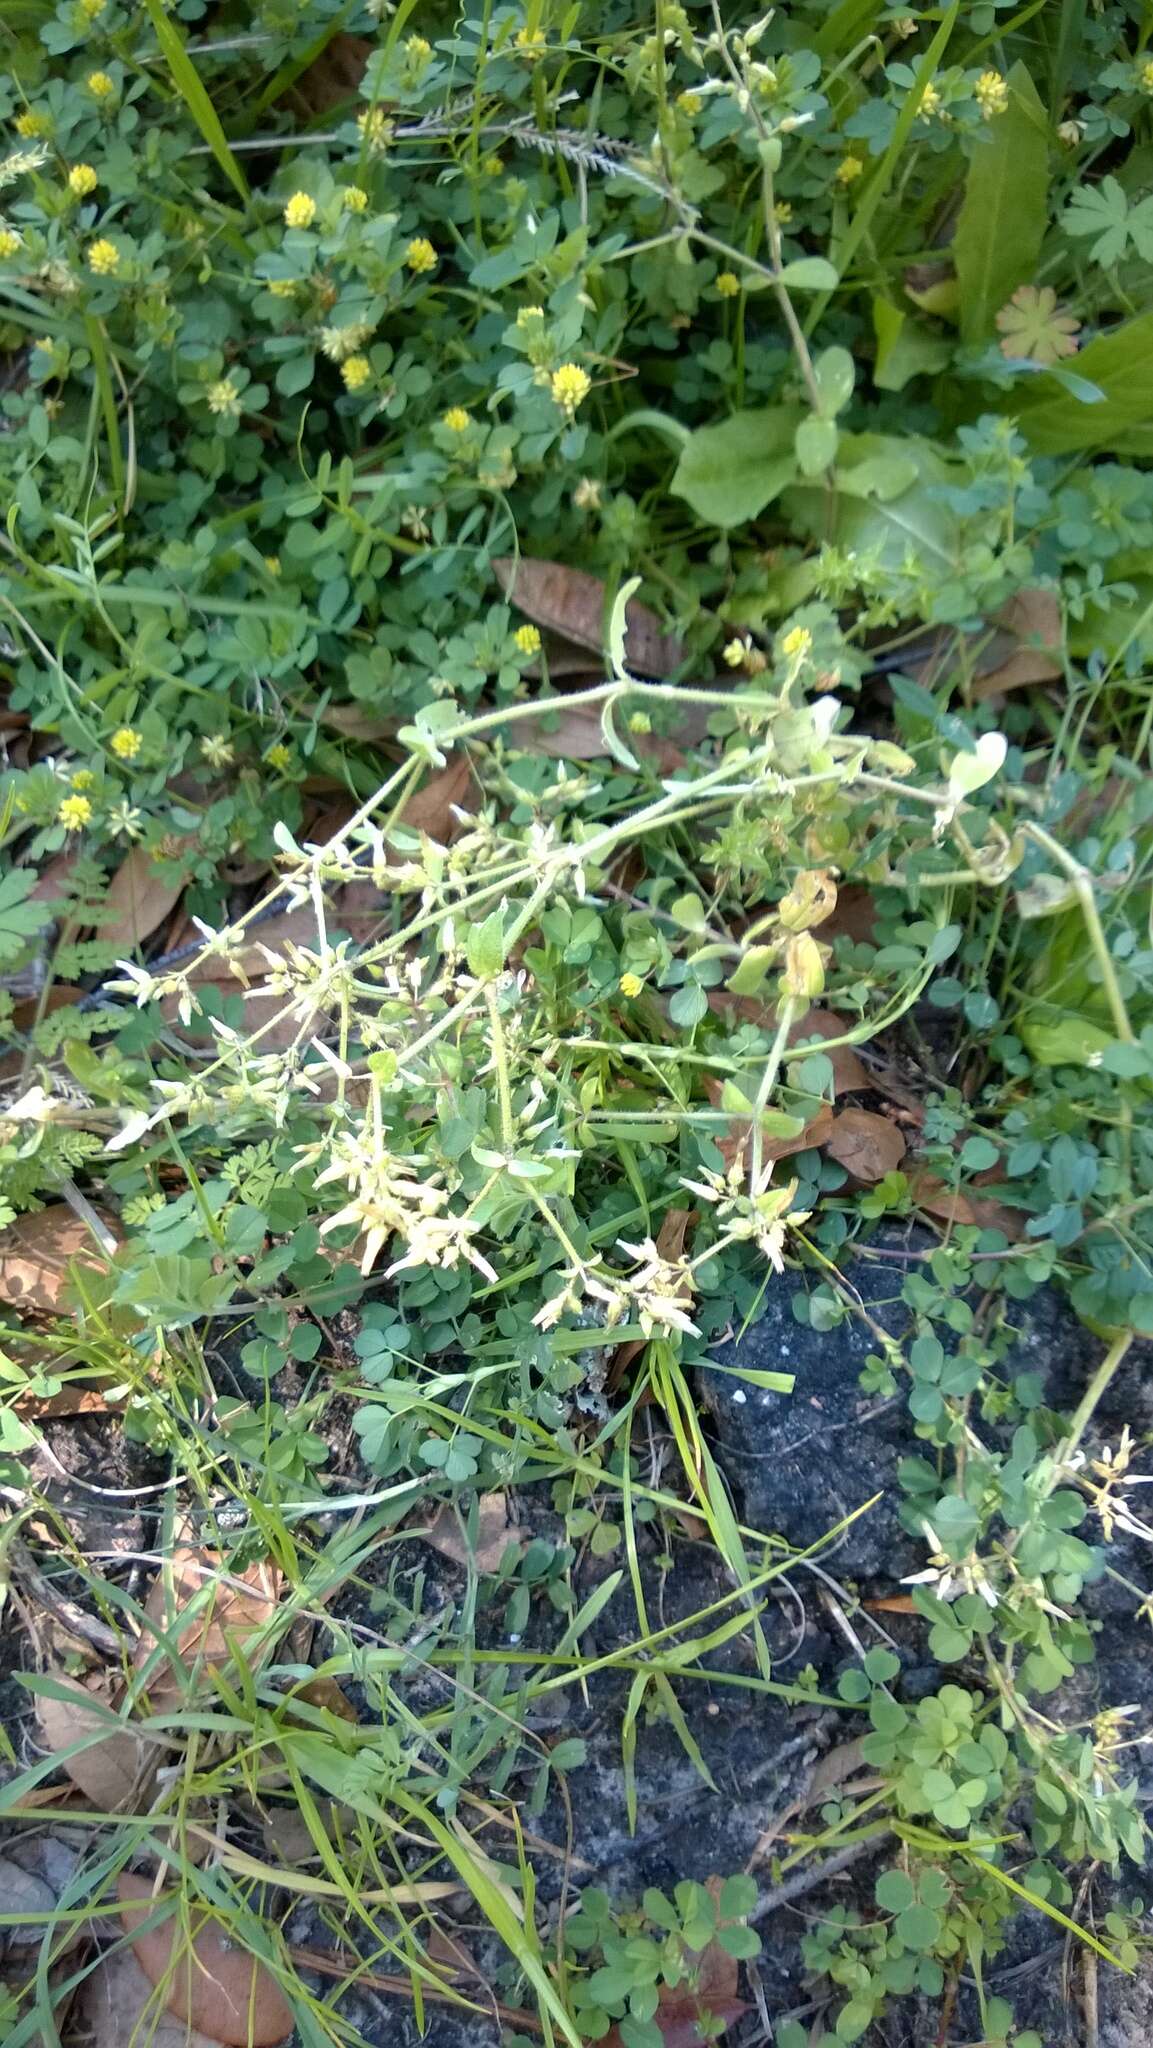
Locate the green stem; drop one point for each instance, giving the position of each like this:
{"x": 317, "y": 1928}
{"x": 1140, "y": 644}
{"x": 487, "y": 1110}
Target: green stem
{"x": 768, "y": 1081}
{"x": 500, "y": 1061}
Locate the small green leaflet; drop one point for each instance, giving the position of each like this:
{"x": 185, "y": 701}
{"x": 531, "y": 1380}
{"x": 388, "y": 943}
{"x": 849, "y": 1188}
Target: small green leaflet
{"x": 1104, "y": 210}
{"x": 20, "y": 919}
{"x": 1004, "y": 216}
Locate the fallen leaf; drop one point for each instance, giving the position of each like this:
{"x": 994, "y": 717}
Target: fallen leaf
{"x": 431, "y": 805}
{"x": 228, "y": 1610}
{"x": 119, "y": 2007}
{"x": 733, "y": 1144}
{"x": 22, "y": 1892}
{"x": 53, "y": 876}
{"x": 207, "y": 1982}
{"x": 963, "y": 1205}
{"x": 867, "y": 1145}
{"x": 892, "y": 1603}
{"x": 27, "y": 1014}
{"x": 76, "y": 1397}
{"x": 574, "y": 734}
{"x": 332, "y": 77}
{"x": 850, "y": 1075}
{"x": 1027, "y": 649}
{"x": 115, "y": 1771}
{"x": 358, "y": 722}
{"x": 324, "y": 1692}
{"x": 574, "y": 604}
{"x": 137, "y": 900}
{"x": 681, "y": 2008}
{"x": 492, "y": 1540}
{"x": 36, "y": 1253}
{"x": 855, "y": 917}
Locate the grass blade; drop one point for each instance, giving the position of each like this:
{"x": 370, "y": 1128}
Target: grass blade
{"x": 191, "y": 88}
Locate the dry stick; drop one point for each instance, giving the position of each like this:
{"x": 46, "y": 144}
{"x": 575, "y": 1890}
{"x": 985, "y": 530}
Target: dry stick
{"x": 401, "y": 1987}
{"x": 75, "y": 1620}
{"x": 807, "y": 1880}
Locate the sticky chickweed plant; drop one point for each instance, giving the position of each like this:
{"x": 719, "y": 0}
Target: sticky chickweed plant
{"x": 576, "y": 586}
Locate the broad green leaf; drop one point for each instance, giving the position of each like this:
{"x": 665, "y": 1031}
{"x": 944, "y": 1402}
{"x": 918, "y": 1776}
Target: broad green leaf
{"x": 904, "y": 348}
{"x": 835, "y": 376}
{"x": 1120, "y": 363}
{"x": 970, "y": 772}
{"x": 810, "y": 274}
{"x": 1063, "y": 1039}
{"x": 816, "y": 445}
{"x": 1004, "y": 215}
{"x": 729, "y": 473}
{"x": 484, "y": 947}
{"x": 20, "y": 919}
{"x": 915, "y": 526}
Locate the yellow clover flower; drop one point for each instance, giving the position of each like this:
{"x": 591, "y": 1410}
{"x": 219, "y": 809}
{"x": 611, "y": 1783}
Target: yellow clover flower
{"x": 104, "y": 257}
{"x": 728, "y": 284}
{"x": 849, "y": 168}
{"x": 100, "y": 85}
{"x": 9, "y": 242}
{"x": 527, "y": 639}
{"x": 32, "y": 126}
{"x": 126, "y": 742}
{"x": 570, "y": 386}
{"x": 457, "y": 420}
{"x": 82, "y": 180}
{"x": 279, "y": 757}
{"x": 630, "y": 984}
{"x": 300, "y": 211}
{"x": 797, "y": 643}
{"x": 420, "y": 256}
{"x": 74, "y": 813}
{"x": 356, "y": 372}
{"x": 223, "y": 398}
{"x": 991, "y": 93}
{"x": 354, "y": 199}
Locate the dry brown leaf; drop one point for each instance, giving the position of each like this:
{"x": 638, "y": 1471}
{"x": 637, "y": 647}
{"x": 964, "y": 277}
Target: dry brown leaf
{"x": 75, "y": 1398}
{"x": 229, "y": 1611}
{"x": 575, "y": 735}
{"x": 211, "y": 1985}
{"x": 681, "y": 2007}
{"x": 574, "y": 604}
{"x": 27, "y": 1014}
{"x": 53, "y": 876}
{"x": 850, "y": 1075}
{"x": 431, "y": 806}
{"x": 963, "y": 1205}
{"x": 36, "y": 1253}
{"x": 867, "y": 1145}
{"x": 734, "y": 1143}
{"x": 358, "y": 722}
{"x": 492, "y": 1539}
{"x": 138, "y": 899}
{"x": 332, "y": 77}
{"x": 1028, "y": 647}
{"x": 119, "y": 2007}
{"x": 115, "y": 1772}
{"x": 325, "y": 1692}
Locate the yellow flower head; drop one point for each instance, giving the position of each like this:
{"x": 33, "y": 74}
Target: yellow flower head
{"x": 849, "y": 168}
{"x": 104, "y": 257}
{"x": 300, "y": 212}
{"x": 223, "y": 398}
{"x": 91, "y": 9}
{"x": 82, "y": 180}
{"x": 356, "y": 372}
{"x": 279, "y": 757}
{"x": 272, "y": 564}
{"x": 84, "y": 779}
{"x": 338, "y": 343}
{"x": 126, "y": 742}
{"x": 420, "y": 255}
{"x": 33, "y": 127}
{"x": 570, "y": 386}
{"x": 100, "y": 85}
{"x": 528, "y": 314}
{"x": 690, "y": 103}
{"x": 283, "y": 287}
{"x": 991, "y": 93}
{"x": 457, "y": 420}
{"x": 354, "y": 199}
{"x": 733, "y": 653}
{"x": 74, "y": 813}
{"x": 375, "y": 127}
{"x": 631, "y": 984}
{"x": 728, "y": 284}
{"x": 417, "y": 50}
{"x": 9, "y": 242}
{"x": 217, "y": 751}
{"x": 47, "y": 343}
{"x": 930, "y": 101}
{"x": 797, "y": 643}
{"x": 1147, "y": 76}
{"x": 783, "y": 208}
{"x": 527, "y": 639}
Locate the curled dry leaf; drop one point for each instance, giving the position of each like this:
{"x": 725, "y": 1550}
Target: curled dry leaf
{"x": 432, "y": 806}
{"x": 37, "y": 1252}
{"x": 492, "y": 1539}
{"x": 682, "y": 2008}
{"x": 211, "y": 1613}
{"x": 207, "y": 1982}
{"x": 575, "y": 605}
{"x": 139, "y": 898}
{"x": 115, "y": 1771}
{"x": 867, "y": 1145}
{"x": 964, "y": 1205}
{"x": 119, "y": 2006}
{"x": 735, "y": 1141}
{"x": 1027, "y": 647}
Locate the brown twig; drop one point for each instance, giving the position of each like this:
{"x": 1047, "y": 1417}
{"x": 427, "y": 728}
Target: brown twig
{"x": 401, "y": 1987}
